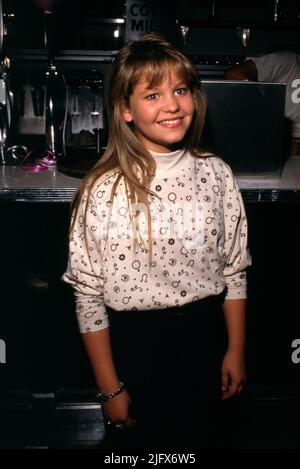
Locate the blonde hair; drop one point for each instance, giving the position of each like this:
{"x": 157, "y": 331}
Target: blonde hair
{"x": 147, "y": 58}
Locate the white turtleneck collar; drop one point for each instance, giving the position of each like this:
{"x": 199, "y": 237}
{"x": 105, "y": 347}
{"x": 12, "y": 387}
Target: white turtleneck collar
{"x": 168, "y": 163}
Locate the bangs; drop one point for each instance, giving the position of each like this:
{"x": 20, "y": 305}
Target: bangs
{"x": 155, "y": 71}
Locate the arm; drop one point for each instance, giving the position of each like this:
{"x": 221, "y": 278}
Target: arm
{"x": 98, "y": 348}
{"x": 85, "y": 274}
{"x": 97, "y": 345}
{"x": 233, "y": 367}
{"x": 244, "y": 71}
{"x": 237, "y": 259}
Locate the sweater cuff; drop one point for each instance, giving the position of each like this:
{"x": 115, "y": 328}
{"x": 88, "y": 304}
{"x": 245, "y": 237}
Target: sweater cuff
{"x": 91, "y": 313}
{"x": 236, "y": 286}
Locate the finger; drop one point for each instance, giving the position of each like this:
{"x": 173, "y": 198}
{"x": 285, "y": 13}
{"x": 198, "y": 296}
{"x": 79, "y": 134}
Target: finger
{"x": 224, "y": 381}
{"x": 231, "y": 391}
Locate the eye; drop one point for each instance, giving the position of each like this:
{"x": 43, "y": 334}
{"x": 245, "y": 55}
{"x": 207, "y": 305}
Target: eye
{"x": 152, "y": 97}
{"x": 181, "y": 91}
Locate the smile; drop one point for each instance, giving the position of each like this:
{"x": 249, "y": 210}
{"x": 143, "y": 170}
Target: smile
{"x": 171, "y": 123}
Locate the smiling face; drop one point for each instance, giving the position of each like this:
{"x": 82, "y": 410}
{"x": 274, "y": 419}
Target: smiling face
{"x": 162, "y": 114}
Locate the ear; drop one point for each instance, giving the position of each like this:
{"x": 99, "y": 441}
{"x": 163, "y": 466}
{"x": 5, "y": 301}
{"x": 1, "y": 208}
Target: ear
{"x": 127, "y": 115}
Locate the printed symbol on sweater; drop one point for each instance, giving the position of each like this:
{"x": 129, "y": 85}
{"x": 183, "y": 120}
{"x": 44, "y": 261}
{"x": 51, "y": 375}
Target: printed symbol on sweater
{"x": 172, "y": 196}
{"x": 181, "y": 184}
{"x": 234, "y": 218}
{"x": 176, "y": 283}
{"x": 209, "y": 220}
{"x": 156, "y": 303}
{"x": 182, "y": 272}
{"x": 89, "y": 315}
{"x": 164, "y": 251}
{"x": 126, "y": 300}
{"x": 136, "y": 265}
{"x": 116, "y": 289}
{"x": 114, "y": 247}
{"x": 183, "y": 251}
{"x": 172, "y": 262}
{"x": 125, "y": 278}
{"x": 188, "y": 198}
{"x": 136, "y": 288}
{"x": 216, "y": 189}
{"x": 100, "y": 194}
{"x": 144, "y": 278}
{"x": 122, "y": 211}
{"x": 116, "y": 269}
{"x": 142, "y": 248}
{"x": 190, "y": 263}
{"x": 166, "y": 273}
{"x": 163, "y": 230}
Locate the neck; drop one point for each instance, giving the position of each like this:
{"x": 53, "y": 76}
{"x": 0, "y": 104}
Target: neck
{"x": 168, "y": 163}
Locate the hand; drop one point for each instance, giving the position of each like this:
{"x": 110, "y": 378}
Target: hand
{"x": 116, "y": 411}
{"x": 233, "y": 373}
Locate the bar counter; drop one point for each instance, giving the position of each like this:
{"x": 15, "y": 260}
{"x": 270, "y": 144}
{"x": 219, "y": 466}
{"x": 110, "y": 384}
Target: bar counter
{"x": 54, "y": 186}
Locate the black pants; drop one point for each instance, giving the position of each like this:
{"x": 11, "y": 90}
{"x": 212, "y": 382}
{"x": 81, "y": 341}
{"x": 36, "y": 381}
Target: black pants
{"x": 170, "y": 361}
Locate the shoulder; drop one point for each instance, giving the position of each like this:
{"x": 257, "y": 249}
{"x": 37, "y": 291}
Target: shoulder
{"x": 213, "y": 162}
{"x": 101, "y": 188}
{"x": 216, "y": 170}
{"x": 279, "y": 60}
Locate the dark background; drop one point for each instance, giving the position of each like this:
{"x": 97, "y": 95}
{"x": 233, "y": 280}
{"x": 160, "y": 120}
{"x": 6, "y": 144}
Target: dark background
{"x": 47, "y": 372}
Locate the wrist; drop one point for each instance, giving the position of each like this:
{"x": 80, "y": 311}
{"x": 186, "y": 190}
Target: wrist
{"x": 108, "y": 387}
{"x": 236, "y": 348}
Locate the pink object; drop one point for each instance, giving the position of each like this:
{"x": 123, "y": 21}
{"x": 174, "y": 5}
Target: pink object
{"x": 37, "y": 168}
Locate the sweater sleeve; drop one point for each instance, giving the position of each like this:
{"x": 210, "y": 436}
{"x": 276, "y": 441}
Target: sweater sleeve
{"x": 84, "y": 271}
{"x": 236, "y": 252}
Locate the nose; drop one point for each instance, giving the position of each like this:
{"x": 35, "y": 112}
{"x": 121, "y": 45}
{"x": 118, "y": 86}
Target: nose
{"x": 170, "y": 103}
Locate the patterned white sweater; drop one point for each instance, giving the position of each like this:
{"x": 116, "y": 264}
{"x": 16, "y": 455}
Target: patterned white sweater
{"x": 199, "y": 241}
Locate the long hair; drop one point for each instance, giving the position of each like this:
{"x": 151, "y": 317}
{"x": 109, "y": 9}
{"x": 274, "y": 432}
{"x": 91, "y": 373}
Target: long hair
{"x": 149, "y": 58}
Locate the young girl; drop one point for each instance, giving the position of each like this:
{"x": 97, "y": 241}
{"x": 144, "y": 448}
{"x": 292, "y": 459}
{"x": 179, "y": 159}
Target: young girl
{"x": 158, "y": 249}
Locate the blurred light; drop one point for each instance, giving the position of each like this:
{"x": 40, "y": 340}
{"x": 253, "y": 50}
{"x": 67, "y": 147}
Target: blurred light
{"x": 116, "y": 33}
